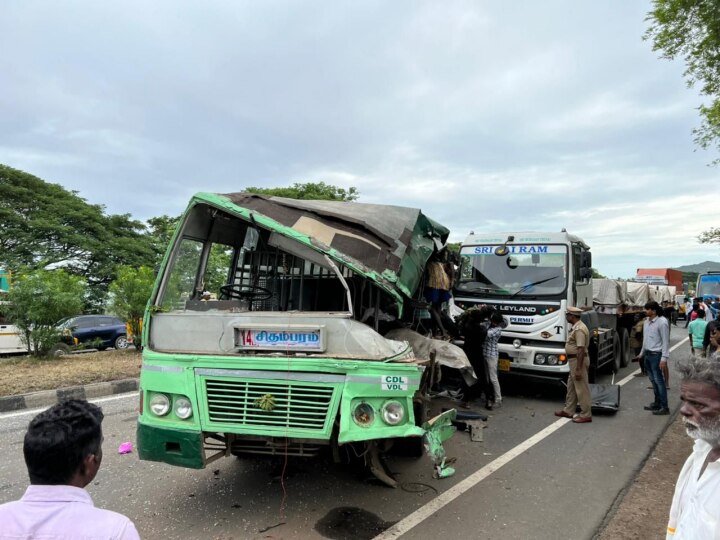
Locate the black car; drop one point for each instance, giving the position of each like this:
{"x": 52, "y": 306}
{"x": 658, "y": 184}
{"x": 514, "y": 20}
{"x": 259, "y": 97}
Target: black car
{"x": 102, "y": 331}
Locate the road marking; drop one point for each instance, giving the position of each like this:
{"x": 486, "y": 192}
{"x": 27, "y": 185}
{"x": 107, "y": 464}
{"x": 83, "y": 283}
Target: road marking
{"x": 94, "y": 400}
{"x": 630, "y": 377}
{"x": 446, "y": 497}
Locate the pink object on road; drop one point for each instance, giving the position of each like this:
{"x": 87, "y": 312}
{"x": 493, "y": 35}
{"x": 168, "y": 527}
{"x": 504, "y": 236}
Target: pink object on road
{"x": 125, "y": 448}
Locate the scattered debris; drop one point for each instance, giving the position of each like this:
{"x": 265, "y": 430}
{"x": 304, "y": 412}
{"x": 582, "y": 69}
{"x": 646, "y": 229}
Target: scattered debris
{"x": 125, "y": 448}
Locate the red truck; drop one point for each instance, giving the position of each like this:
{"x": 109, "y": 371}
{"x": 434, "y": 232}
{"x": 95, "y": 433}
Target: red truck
{"x": 661, "y": 276}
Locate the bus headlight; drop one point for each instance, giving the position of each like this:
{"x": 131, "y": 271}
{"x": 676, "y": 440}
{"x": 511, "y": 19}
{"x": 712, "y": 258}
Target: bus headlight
{"x": 160, "y": 404}
{"x": 540, "y": 359}
{"x": 393, "y": 413}
{"x": 363, "y": 414}
{"x": 183, "y": 408}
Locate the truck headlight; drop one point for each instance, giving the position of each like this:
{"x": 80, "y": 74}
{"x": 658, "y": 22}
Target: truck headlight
{"x": 552, "y": 360}
{"x": 393, "y": 413}
{"x": 540, "y": 359}
{"x": 160, "y": 404}
{"x": 183, "y": 408}
{"x": 363, "y": 414}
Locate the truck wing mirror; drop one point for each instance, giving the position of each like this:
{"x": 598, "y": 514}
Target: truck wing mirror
{"x": 586, "y": 259}
{"x": 586, "y": 273}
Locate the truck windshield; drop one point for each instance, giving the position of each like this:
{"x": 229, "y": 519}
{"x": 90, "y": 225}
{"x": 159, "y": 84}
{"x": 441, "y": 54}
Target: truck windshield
{"x": 708, "y": 284}
{"x": 527, "y": 270}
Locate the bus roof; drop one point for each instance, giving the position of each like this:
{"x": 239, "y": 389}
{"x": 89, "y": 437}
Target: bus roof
{"x": 388, "y": 244}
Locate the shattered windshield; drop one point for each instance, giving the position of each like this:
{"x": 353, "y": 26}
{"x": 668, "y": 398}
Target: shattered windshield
{"x": 526, "y": 270}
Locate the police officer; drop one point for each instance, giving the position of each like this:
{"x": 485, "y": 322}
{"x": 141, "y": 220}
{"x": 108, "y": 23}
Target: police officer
{"x": 578, "y": 389}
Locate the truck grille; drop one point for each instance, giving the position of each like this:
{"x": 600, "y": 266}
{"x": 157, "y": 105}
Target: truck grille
{"x": 297, "y": 405}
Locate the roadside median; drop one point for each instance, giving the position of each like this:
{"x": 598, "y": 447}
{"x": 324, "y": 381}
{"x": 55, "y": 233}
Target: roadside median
{"x": 27, "y": 382}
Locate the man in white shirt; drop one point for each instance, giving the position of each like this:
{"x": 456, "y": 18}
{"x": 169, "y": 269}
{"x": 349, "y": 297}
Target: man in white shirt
{"x": 694, "y": 512}
{"x": 63, "y": 451}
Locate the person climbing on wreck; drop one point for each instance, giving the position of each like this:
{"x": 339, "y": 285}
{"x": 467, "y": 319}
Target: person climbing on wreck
{"x": 495, "y": 326}
{"x": 437, "y": 291}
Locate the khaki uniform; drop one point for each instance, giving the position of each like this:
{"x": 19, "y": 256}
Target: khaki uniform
{"x": 578, "y": 391}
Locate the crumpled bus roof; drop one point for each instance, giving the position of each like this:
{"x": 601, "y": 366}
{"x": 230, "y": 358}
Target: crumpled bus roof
{"x": 388, "y": 244}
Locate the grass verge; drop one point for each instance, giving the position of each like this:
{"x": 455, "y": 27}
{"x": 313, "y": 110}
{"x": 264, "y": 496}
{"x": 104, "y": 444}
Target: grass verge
{"x": 20, "y": 375}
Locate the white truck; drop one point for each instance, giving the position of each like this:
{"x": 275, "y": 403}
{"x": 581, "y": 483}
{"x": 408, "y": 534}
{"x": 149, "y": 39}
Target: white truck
{"x": 531, "y": 278}
{"x": 10, "y": 342}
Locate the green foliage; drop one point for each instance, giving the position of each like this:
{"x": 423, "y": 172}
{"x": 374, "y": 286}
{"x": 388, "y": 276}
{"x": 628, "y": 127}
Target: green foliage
{"x": 690, "y": 29}
{"x": 218, "y": 267}
{"x": 454, "y": 247}
{"x": 310, "y": 191}
{"x": 711, "y": 236}
{"x": 38, "y": 300}
{"x": 690, "y": 278}
{"x": 130, "y": 294}
{"x": 597, "y": 275}
{"x": 43, "y": 225}
{"x": 160, "y": 231}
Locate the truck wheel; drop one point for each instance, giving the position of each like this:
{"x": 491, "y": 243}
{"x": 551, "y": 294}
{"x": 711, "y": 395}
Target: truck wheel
{"x": 627, "y": 354}
{"x": 617, "y": 354}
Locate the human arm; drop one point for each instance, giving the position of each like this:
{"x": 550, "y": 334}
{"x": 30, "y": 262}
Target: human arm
{"x": 581, "y": 358}
{"x": 665, "y": 339}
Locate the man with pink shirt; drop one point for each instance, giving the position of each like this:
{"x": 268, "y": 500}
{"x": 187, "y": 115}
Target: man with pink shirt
{"x": 63, "y": 452}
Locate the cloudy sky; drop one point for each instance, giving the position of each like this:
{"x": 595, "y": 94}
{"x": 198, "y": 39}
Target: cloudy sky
{"x": 490, "y": 116}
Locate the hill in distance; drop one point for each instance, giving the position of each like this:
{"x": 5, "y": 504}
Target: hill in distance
{"x": 707, "y": 266}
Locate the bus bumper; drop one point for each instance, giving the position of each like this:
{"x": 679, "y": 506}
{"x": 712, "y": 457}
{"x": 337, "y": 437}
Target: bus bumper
{"x": 174, "y": 446}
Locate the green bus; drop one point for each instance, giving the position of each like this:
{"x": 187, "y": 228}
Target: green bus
{"x": 263, "y": 332}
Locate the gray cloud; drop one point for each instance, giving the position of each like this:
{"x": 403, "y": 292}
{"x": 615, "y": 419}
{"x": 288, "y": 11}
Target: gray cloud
{"x": 489, "y": 116}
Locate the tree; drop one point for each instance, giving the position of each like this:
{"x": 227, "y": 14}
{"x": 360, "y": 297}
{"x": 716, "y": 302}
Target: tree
{"x": 711, "y": 236}
{"x": 691, "y": 29}
{"x": 160, "y": 231}
{"x": 38, "y": 300}
{"x": 310, "y": 191}
{"x": 44, "y": 225}
{"x": 597, "y": 275}
{"x": 130, "y": 293}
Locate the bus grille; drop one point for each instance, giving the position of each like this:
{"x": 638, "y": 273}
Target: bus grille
{"x": 296, "y": 405}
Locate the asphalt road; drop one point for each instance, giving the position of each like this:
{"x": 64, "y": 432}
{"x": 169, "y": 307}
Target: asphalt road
{"x": 534, "y": 476}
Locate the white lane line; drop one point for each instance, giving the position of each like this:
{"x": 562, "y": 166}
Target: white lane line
{"x": 678, "y": 344}
{"x": 94, "y": 400}
{"x": 445, "y": 498}
{"x": 632, "y": 375}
